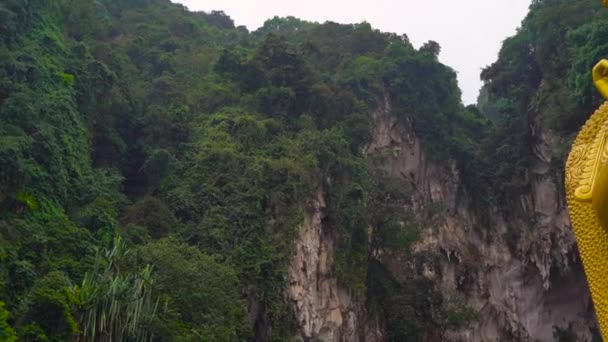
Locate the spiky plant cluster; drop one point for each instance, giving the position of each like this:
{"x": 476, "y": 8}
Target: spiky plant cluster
{"x": 116, "y": 306}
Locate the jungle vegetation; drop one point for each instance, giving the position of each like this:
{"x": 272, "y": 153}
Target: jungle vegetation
{"x": 155, "y": 162}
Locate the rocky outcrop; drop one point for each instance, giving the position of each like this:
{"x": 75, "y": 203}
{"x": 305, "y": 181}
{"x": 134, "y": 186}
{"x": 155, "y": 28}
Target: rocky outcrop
{"x": 521, "y": 274}
{"x": 324, "y": 309}
{"x": 525, "y": 289}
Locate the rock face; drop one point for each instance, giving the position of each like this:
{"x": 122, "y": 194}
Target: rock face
{"x": 324, "y": 309}
{"x": 521, "y": 274}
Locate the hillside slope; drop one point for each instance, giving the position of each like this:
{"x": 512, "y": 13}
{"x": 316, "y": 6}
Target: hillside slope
{"x": 167, "y": 175}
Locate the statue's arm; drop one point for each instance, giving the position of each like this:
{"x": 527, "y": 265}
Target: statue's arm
{"x": 599, "y": 198}
{"x": 600, "y": 76}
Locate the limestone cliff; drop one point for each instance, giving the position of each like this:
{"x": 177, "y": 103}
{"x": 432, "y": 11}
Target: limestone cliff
{"x": 521, "y": 274}
{"x": 324, "y": 308}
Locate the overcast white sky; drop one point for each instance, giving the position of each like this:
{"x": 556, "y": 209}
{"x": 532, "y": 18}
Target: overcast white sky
{"x": 470, "y": 32}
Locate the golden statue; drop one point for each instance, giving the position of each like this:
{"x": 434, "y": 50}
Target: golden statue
{"x": 587, "y": 197}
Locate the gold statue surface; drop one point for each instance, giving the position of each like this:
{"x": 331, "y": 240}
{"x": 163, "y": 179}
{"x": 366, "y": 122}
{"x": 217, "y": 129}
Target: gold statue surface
{"x": 587, "y": 197}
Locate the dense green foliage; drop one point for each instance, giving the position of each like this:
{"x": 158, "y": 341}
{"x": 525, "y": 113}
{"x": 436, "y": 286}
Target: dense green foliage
{"x": 156, "y": 162}
{"x": 202, "y": 297}
{"x": 541, "y": 79}
{"x": 6, "y": 332}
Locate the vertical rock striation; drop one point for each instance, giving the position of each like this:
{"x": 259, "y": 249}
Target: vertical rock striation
{"x": 324, "y": 309}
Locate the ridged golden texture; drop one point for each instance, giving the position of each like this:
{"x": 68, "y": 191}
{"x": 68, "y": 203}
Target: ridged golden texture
{"x": 587, "y": 152}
